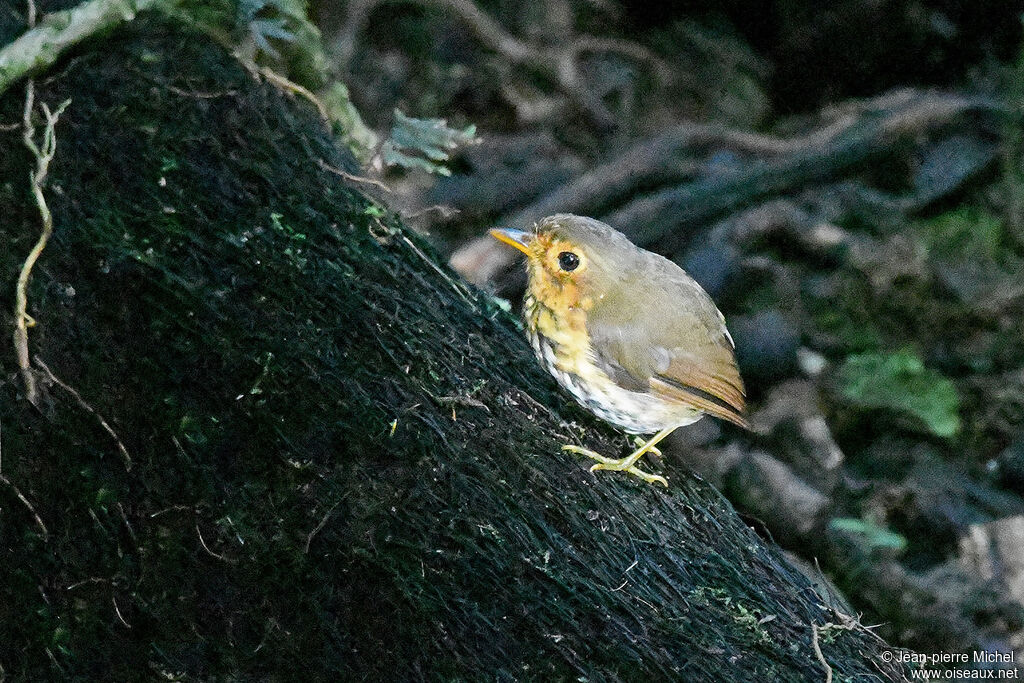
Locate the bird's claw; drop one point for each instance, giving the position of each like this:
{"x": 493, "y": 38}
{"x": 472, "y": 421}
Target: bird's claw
{"x": 604, "y": 463}
{"x": 632, "y": 469}
{"x": 640, "y": 442}
{"x": 580, "y": 450}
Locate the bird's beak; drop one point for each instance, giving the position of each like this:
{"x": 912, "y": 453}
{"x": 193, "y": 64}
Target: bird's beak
{"x": 517, "y": 238}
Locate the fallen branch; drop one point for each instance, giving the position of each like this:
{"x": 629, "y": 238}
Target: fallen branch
{"x": 44, "y": 155}
{"x": 649, "y": 162}
{"x": 650, "y": 158}
{"x": 858, "y": 133}
{"x": 41, "y": 46}
{"x": 651, "y": 218}
{"x": 560, "y": 62}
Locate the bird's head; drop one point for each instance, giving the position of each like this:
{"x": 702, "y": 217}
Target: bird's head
{"x": 571, "y": 261}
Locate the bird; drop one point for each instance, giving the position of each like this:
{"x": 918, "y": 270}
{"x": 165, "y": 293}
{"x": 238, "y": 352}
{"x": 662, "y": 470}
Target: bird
{"x": 628, "y": 333}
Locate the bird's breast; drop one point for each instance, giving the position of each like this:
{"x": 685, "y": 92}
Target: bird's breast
{"x": 559, "y": 338}
{"x": 562, "y": 345}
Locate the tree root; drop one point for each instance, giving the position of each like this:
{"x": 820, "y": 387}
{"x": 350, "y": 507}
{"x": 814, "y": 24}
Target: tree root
{"x": 88, "y": 408}
{"x": 856, "y": 134}
{"x": 560, "y": 62}
{"x": 846, "y": 623}
{"x": 24, "y": 501}
{"x": 44, "y": 155}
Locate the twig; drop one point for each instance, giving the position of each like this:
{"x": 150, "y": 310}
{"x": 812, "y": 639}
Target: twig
{"x": 318, "y": 527}
{"x": 81, "y": 401}
{"x": 84, "y": 582}
{"x": 818, "y": 653}
{"x": 118, "y": 610}
{"x": 633, "y": 51}
{"x": 848, "y": 624}
{"x": 207, "y": 548}
{"x": 445, "y": 276}
{"x": 44, "y": 155}
{"x": 200, "y": 95}
{"x": 127, "y": 525}
{"x": 486, "y": 29}
{"x": 27, "y": 504}
{"x": 533, "y": 107}
{"x": 292, "y": 87}
{"x": 353, "y": 178}
{"x": 173, "y": 508}
{"x": 444, "y": 210}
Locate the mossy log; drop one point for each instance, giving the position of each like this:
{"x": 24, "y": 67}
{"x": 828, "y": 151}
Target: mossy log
{"x": 344, "y": 463}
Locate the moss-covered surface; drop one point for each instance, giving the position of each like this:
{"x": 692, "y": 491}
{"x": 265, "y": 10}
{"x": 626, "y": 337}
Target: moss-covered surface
{"x": 344, "y": 464}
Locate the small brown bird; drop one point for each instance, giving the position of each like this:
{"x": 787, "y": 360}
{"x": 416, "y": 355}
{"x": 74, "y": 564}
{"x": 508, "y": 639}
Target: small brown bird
{"x": 628, "y": 333}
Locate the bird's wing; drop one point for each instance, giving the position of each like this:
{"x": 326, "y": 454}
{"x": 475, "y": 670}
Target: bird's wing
{"x": 674, "y": 344}
{"x": 713, "y": 386}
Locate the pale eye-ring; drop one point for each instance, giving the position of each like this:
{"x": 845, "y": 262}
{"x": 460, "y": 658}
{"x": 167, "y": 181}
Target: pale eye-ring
{"x": 568, "y": 261}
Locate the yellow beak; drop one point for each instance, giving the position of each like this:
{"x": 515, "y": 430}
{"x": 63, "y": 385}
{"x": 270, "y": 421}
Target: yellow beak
{"x": 517, "y": 238}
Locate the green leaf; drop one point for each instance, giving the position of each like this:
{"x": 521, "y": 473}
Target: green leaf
{"x": 900, "y": 382}
{"x": 262, "y": 29}
{"x": 424, "y": 143}
{"x": 349, "y": 124}
{"x": 967, "y": 232}
{"x": 874, "y": 535}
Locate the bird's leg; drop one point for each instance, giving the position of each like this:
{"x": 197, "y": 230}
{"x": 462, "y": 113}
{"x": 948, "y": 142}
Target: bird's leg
{"x": 627, "y": 464}
{"x": 630, "y": 460}
{"x": 633, "y": 469}
{"x": 580, "y": 450}
{"x": 639, "y": 441}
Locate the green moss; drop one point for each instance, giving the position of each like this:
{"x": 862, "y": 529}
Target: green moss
{"x": 900, "y": 382}
{"x": 966, "y": 232}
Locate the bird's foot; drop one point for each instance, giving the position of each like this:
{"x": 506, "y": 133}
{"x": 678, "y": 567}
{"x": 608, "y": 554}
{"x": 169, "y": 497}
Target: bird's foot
{"x": 640, "y": 442}
{"x": 622, "y": 465}
{"x": 580, "y": 450}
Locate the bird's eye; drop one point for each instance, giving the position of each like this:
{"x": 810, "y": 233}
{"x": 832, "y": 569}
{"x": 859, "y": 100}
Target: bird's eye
{"x": 568, "y": 261}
